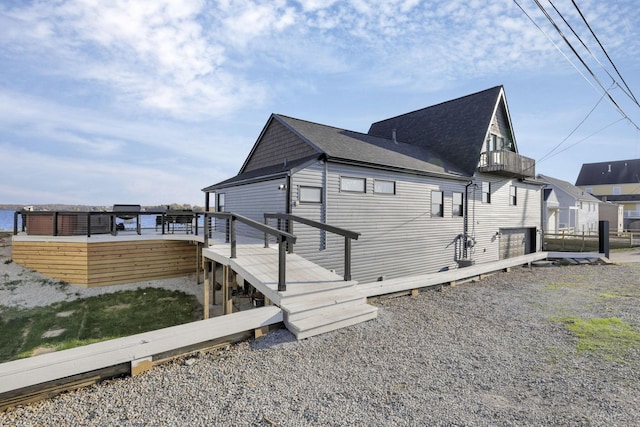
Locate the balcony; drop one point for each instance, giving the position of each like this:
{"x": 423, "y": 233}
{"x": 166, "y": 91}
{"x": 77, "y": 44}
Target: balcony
{"x": 632, "y": 214}
{"x": 507, "y": 163}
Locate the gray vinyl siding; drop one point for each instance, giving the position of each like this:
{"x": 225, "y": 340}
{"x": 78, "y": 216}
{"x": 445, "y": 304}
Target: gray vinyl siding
{"x": 398, "y": 235}
{"x": 486, "y": 219}
{"x": 253, "y": 200}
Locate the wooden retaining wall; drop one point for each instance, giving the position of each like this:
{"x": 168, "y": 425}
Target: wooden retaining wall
{"x": 93, "y": 264}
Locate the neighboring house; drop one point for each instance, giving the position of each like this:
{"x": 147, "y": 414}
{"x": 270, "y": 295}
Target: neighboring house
{"x": 427, "y": 190}
{"x": 617, "y": 182}
{"x": 576, "y": 211}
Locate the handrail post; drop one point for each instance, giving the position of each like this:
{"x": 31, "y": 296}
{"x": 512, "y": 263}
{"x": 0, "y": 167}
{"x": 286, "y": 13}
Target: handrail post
{"x": 15, "y": 223}
{"x": 232, "y": 231}
{"x": 88, "y": 224}
{"x": 347, "y": 259}
{"x": 290, "y": 231}
{"x": 266, "y": 236}
{"x": 282, "y": 265}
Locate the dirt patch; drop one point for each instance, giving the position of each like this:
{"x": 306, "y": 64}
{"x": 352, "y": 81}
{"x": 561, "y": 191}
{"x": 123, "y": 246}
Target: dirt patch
{"x": 117, "y": 307}
{"x": 65, "y": 313}
{"x": 53, "y": 333}
{"x": 43, "y": 350}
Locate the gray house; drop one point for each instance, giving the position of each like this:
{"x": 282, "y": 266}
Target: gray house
{"x": 429, "y": 190}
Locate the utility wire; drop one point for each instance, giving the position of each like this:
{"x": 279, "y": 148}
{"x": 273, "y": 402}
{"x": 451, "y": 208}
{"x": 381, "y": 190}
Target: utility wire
{"x": 613, "y": 79}
{"x": 605, "y": 52}
{"x": 549, "y": 154}
{"x": 575, "y": 52}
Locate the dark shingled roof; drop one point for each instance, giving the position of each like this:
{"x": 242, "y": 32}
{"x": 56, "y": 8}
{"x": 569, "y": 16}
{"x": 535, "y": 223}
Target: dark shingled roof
{"x": 607, "y": 173}
{"x": 345, "y": 145}
{"x": 454, "y": 129}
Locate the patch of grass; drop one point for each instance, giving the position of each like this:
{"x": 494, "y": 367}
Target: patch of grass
{"x": 8, "y": 261}
{"x": 93, "y": 319}
{"x": 554, "y": 286}
{"x": 610, "y": 336}
{"x": 11, "y": 285}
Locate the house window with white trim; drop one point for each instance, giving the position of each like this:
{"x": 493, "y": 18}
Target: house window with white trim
{"x": 617, "y": 191}
{"x": 353, "y": 185}
{"x": 486, "y": 192}
{"x": 384, "y": 187}
{"x": 437, "y": 203}
{"x": 457, "y": 204}
{"x": 310, "y": 194}
{"x": 513, "y": 195}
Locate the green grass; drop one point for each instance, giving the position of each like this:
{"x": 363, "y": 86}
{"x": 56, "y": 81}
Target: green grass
{"x": 93, "y": 319}
{"x": 609, "y": 336}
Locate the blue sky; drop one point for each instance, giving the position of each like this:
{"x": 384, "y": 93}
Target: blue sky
{"x": 147, "y": 102}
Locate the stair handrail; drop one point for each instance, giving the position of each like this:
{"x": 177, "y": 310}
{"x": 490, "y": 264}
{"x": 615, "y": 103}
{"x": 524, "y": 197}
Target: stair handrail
{"x": 348, "y": 235}
{"x": 283, "y": 238}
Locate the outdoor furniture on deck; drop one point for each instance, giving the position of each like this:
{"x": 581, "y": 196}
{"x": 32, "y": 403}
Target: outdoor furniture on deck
{"x": 127, "y": 213}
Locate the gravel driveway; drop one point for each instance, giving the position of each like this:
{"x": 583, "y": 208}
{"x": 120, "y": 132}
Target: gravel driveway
{"x": 494, "y": 352}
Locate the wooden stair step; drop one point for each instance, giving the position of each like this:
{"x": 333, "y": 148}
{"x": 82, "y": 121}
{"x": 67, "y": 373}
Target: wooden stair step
{"x": 330, "y": 319}
{"x": 304, "y": 307}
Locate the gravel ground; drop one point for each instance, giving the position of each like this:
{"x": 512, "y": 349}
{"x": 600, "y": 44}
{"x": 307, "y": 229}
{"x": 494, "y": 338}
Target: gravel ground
{"x": 480, "y": 353}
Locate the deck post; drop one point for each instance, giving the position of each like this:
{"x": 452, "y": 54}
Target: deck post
{"x": 88, "y": 224}
{"x": 207, "y": 284}
{"x": 266, "y": 236}
{"x": 15, "y": 223}
{"x": 347, "y": 259}
{"x": 55, "y": 223}
{"x": 232, "y": 237}
{"x": 282, "y": 265}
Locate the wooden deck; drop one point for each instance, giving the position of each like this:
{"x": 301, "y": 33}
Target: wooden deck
{"x": 133, "y": 354}
{"x": 316, "y": 300}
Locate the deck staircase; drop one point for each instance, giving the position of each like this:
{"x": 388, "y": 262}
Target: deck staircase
{"x": 316, "y": 300}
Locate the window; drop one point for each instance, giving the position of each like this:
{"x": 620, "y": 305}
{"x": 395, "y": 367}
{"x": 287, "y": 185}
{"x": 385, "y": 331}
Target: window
{"x": 356, "y": 185}
{"x": 456, "y": 208}
{"x": 493, "y": 141}
{"x": 486, "y": 192}
{"x": 310, "y": 194}
{"x": 513, "y": 195}
{"x": 220, "y": 202}
{"x": 384, "y": 187}
{"x": 589, "y": 190}
{"x": 617, "y": 191}
{"x": 437, "y": 203}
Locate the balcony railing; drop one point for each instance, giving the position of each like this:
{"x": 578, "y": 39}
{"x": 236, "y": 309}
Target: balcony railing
{"x": 506, "y": 162}
{"x": 632, "y": 214}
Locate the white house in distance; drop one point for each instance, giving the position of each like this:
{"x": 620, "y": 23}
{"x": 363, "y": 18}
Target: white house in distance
{"x": 574, "y": 210}
{"x": 428, "y": 190}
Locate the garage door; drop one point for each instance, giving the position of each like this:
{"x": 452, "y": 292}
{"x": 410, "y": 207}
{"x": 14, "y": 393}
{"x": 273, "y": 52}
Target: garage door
{"x": 516, "y": 242}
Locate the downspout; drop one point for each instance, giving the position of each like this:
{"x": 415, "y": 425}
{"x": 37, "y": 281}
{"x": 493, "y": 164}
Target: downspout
{"x": 465, "y": 221}
{"x": 323, "y": 212}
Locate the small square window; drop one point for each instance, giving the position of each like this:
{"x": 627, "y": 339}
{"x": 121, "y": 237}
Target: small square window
{"x": 457, "y": 207}
{"x": 437, "y": 203}
{"x": 486, "y": 192}
{"x": 617, "y": 191}
{"x": 310, "y": 194}
{"x": 513, "y": 195}
{"x": 355, "y": 185}
{"x": 384, "y": 187}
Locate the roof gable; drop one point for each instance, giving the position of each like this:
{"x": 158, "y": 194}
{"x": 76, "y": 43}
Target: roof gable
{"x": 456, "y": 129}
{"x": 277, "y": 144}
{"x": 607, "y": 173}
{"x": 569, "y": 189}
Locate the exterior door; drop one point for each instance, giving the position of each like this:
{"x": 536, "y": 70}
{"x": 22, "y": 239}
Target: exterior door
{"x": 516, "y": 242}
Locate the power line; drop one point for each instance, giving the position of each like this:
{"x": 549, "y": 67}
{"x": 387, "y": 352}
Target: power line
{"x": 605, "y": 51}
{"x": 602, "y": 90}
{"x": 613, "y": 79}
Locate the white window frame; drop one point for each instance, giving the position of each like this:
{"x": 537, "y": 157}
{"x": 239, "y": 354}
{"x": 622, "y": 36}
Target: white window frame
{"x": 306, "y": 194}
{"x": 617, "y": 191}
{"x": 459, "y": 206}
{"x": 440, "y": 213}
{"x": 513, "y": 196}
{"x": 352, "y": 180}
{"x": 379, "y": 186}
{"x": 486, "y": 199}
